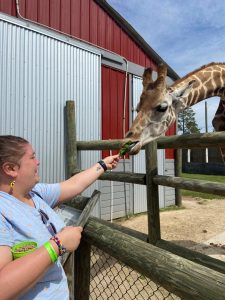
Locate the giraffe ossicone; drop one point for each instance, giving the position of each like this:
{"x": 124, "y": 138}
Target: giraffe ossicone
{"x": 159, "y": 104}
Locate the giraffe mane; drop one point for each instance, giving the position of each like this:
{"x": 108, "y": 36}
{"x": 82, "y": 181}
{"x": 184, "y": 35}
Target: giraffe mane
{"x": 195, "y": 71}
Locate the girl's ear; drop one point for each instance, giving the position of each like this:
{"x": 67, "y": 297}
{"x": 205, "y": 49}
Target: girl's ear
{"x": 10, "y": 169}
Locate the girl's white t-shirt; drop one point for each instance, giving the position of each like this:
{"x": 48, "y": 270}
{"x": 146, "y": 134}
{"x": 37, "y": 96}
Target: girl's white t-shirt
{"x": 20, "y": 222}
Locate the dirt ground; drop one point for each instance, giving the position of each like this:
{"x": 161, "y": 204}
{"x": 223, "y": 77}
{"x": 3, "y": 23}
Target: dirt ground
{"x": 200, "y": 225}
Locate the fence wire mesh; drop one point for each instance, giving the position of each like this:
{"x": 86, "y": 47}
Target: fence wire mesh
{"x": 111, "y": 279}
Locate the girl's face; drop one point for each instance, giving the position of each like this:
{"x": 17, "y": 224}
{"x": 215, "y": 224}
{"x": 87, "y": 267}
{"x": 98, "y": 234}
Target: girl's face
{"x": 27, "y": 173}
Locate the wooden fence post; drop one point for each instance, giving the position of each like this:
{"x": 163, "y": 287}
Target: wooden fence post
{"x": 77, "y": 267}
{"x": 71, "y": 165}
{"x": 152, "y": 193}
{"x": 71, "y": 149}
{"x": 82, "y": 268}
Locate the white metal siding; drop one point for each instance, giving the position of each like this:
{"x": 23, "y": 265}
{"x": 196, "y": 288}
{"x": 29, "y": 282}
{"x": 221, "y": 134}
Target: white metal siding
{"x": 39, "y": 71}
{"x": 169, "y": 191}
{"x": 115, "y": 196}
{"x": 140, "y": 196}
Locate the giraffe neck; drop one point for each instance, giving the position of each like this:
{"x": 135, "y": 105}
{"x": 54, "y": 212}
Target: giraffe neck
{"x": 209, "y": 82}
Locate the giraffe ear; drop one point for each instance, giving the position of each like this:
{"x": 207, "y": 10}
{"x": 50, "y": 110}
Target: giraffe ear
{"x": 179, "y": 94}
{"x": 147, "y": 78}
{"x": 184, "y": 90}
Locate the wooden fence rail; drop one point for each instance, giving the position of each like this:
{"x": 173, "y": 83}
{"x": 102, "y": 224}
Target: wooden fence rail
{"x": 179, "y": 275}
{"x": 191, "y": 184}
{"x": 189, "y": 254}
{"x": 128, "y": 177}
{"x": 198, "y": 140}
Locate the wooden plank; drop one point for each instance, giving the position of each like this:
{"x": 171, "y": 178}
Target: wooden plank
{"x": 152, "y": 192}
{"x": 85, "y": 214}
{"x": 191, "y": 184}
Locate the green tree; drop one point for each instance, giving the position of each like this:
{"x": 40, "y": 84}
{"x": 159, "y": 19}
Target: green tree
{"x": 187, "y": 123}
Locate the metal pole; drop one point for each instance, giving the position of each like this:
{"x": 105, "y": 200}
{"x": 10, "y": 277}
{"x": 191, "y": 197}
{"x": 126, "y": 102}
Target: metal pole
{"x": 206, "y": 130}
{"x": 206, "y": 117}
{"x": 112, "y": 197}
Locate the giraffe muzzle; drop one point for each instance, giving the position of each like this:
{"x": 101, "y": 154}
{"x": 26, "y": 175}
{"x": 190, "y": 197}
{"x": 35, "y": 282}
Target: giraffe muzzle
{"x": 135, "y": 147}
{"x": 131, "y": 148}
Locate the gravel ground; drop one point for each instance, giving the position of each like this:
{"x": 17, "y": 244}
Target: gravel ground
{"x": 200, "y": 225}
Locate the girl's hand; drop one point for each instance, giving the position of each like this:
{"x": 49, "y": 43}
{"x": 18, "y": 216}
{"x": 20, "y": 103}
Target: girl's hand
{"x": 70, "y": 237}
{"x": 111, "y": 161}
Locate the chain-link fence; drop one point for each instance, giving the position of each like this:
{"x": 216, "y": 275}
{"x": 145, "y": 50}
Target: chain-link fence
{"x": 111, "y": 279}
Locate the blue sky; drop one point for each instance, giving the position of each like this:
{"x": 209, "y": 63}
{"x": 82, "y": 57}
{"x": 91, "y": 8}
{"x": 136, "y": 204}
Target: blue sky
{"x": 186, "y": 34}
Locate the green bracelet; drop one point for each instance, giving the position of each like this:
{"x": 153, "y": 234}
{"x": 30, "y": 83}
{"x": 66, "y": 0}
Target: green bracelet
{"x": 51, "y": 251}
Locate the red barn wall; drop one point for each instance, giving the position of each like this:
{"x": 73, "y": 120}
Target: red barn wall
{"x": 83, "y": 19}
{"x": 113, "y": 105}
{"x": 86, "y": 20}
{"x": 171, "y": 131}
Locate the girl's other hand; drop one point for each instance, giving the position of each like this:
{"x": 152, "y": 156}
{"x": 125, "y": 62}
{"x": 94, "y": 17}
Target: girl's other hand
{"x": 70, "y": 237}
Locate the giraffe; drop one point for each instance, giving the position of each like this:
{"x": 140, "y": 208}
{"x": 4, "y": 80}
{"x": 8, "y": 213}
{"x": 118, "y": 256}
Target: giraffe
{"x": 159, "y": 104}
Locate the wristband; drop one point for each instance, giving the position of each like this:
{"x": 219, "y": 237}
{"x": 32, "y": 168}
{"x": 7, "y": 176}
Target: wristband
{"x": 103, "y": 165}
{"x": 62, "y": 249}
{"x": 51, "y": 251}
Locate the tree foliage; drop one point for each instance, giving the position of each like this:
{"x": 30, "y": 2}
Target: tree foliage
{"x": 187, "y": 123}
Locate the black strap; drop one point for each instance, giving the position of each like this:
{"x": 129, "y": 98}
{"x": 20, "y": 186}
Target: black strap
{"x": 103, "y": 165}
{"x": 37, "y": 194}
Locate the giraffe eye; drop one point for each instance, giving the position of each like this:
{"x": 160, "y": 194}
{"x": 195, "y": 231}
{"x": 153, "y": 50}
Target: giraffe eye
{"x": 162, "y": 108}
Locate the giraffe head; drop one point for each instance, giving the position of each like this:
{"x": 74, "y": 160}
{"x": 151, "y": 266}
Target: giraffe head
{"x": 157, "y": 108}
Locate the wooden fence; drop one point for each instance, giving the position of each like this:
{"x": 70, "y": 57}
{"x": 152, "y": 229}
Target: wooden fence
{"x": 188, "y": 274}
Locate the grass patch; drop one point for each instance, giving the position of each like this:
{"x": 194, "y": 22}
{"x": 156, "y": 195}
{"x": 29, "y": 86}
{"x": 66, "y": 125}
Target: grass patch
{"x": 213, "y": 178}
{"x": 171, "y": 207}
